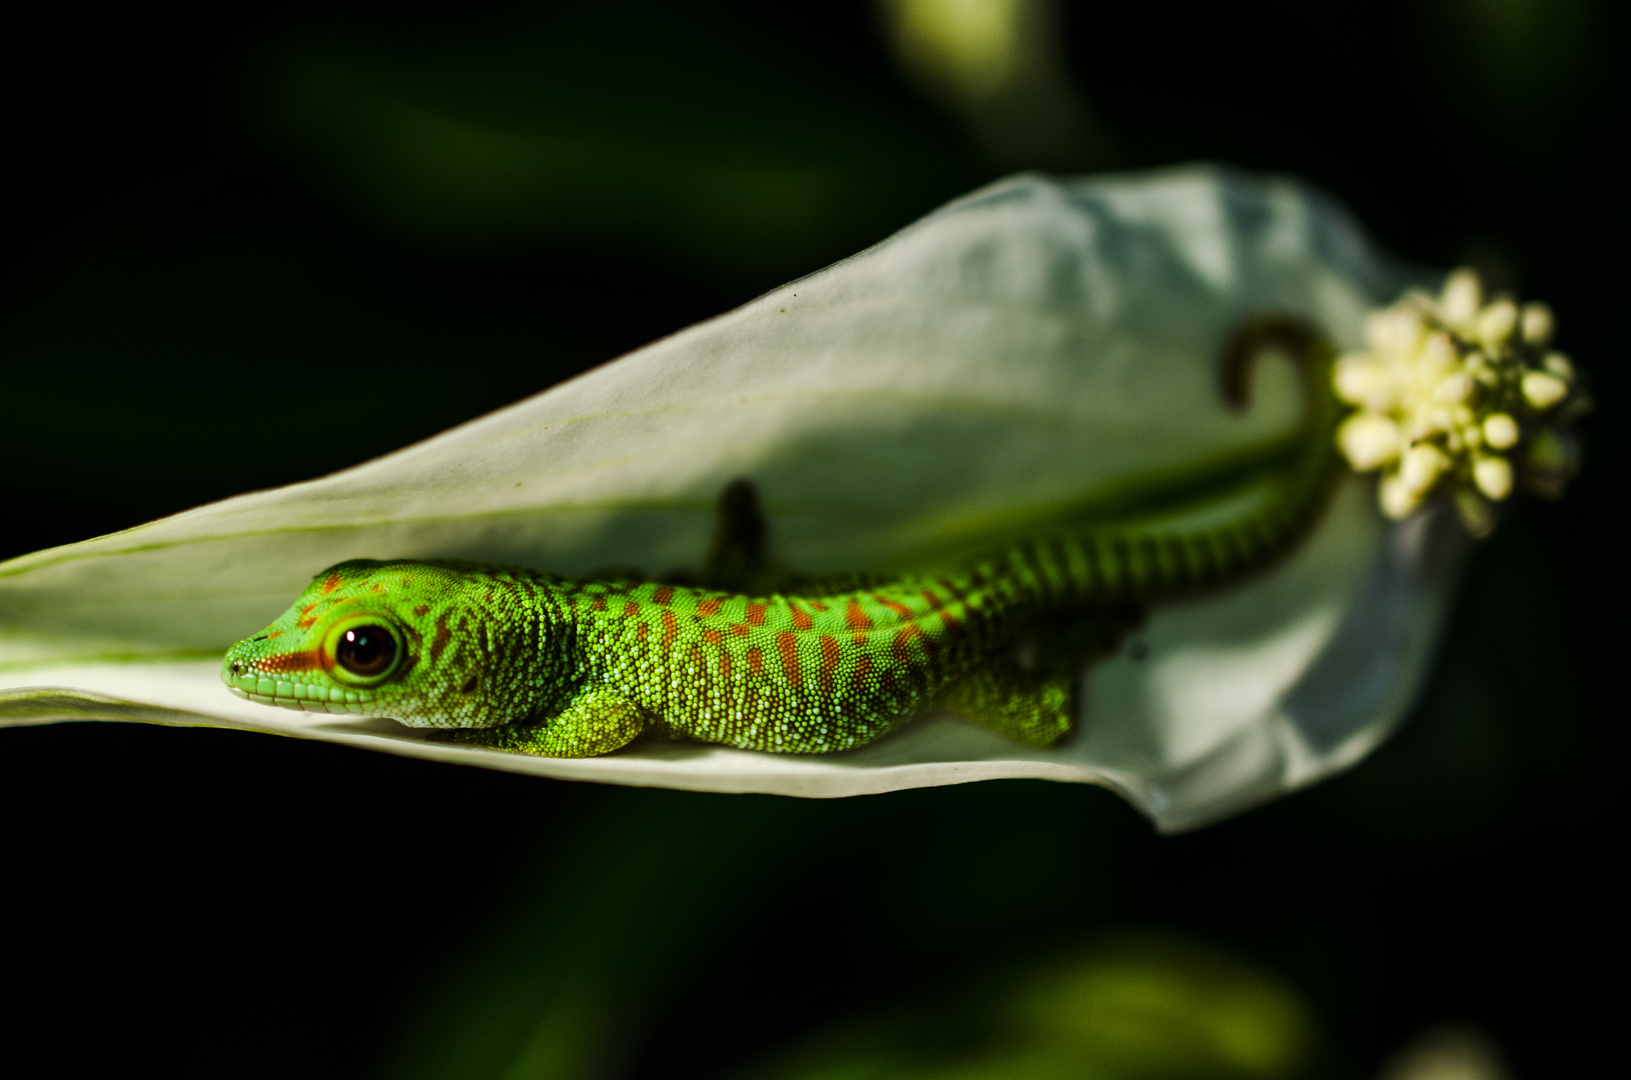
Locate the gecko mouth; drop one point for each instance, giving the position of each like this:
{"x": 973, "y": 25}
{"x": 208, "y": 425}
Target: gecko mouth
{"x": 290, "y": 693}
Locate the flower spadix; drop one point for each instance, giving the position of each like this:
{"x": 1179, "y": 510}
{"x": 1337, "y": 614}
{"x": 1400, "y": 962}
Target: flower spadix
{"x": 1462, "y": 395}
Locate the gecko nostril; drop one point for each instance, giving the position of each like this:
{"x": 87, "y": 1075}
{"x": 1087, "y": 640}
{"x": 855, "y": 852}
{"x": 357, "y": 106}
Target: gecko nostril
{"x": 236, "y": 667}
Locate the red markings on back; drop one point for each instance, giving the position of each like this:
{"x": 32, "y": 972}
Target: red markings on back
{"x": 817, "y": 604}
{"x": 706, "y": 608}
{"x": 724, "y": 664}
{"x": 275, "y": 634}
{"x": 421, "y": 611}
{"x": 713, "y": 637}
{"x": 599, "y": 604}
{"x": 641, "y": 633}
{"x": 788, "y": 646}
{"x": 307, "y": 619}
{"x": 801, "y": 618}
{"x": 855, "y": 618}
{"x": 903, "y": 641}
{"x": 829, "y": 663}
{"x": 331, "y": 583}
{"x": 663, "y": 595}
{"x": 631, "y": 609}
{"x": 894, "y": 605}
{"x": 756, "y": 662}
{"x": 439, "y": 642}
{"x": 946, "y": 617}
{"x": 756, "y": 613}
{"x": 738, "y": 629}
{"x": 671, "y": 629}
{"x": 860, "y": 681}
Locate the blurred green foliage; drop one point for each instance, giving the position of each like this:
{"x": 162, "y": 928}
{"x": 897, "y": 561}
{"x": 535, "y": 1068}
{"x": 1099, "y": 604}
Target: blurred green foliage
{"x": 1135, "y": 1006}
{"x": 644, "y": 892}
{"x": 671, "y": 129}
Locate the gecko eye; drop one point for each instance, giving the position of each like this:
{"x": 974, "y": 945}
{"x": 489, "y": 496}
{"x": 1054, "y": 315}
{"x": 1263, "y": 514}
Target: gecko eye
{"x": 366, "y": 650}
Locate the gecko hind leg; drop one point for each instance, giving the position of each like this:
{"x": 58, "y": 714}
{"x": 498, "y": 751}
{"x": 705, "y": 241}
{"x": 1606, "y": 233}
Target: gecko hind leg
{"x": 596, "y": 722}
{"x": 1030, "y": 691}
{"x": 1033, "y": 710}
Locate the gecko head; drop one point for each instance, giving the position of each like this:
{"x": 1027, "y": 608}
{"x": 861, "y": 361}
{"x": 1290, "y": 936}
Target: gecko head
{"x": 372, "y": 638}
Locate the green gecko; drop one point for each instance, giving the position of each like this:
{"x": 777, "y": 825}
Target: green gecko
{"x": 525, "y": 661}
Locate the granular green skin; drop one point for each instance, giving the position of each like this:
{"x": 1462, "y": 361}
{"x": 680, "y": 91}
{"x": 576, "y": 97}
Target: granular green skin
{"x": 524, "y": 661}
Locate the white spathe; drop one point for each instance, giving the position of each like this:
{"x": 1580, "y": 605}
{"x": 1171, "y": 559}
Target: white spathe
{"x": 1028, "y": 345}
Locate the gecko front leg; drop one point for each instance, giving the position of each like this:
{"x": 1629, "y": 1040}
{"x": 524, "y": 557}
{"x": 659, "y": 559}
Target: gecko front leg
{"x": 597, "y": 721}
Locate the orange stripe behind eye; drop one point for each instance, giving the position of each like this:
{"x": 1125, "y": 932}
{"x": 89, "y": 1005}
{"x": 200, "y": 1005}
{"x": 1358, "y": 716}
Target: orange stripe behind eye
{"x": 286, "y": 663}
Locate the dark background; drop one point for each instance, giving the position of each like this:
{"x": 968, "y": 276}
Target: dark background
{"x": 213, "y": 281}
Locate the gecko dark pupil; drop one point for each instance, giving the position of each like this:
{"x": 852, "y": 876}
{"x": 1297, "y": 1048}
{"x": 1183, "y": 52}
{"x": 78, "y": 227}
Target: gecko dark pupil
{"x": 366, "y": 650}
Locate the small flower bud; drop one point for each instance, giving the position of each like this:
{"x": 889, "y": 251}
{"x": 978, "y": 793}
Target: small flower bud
{"x": 1397, "y": 500}
{"x": 1421, "y": 467}
{"x": 1543, "y": 390}
{"x": 1500, "y": 431}
{"x": 1461, "y": 298}
{"x": 1538, "y": 324}
{"x": 1547, "y": 450}
{"x": 1475, "y": 513}
{"x": 1493, "y": 475}
{"x": 1454, "y": 390}
{"x": 1394, "y": 330}
{"x": 1369, "y": 441}
{"x": 1559, "y": 365}
{"x": 1497, "y": 321}
{"x": 1438, "y": 353}
{"x": 1552, "y": 459}
{"x": 1360, "y": 380}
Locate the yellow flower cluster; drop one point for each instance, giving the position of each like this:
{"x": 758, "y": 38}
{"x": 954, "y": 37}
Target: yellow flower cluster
{"x": 1463, "y": 395}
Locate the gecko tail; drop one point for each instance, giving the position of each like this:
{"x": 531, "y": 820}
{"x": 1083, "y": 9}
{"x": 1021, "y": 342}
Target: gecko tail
{"x": 1290, "y": 335}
